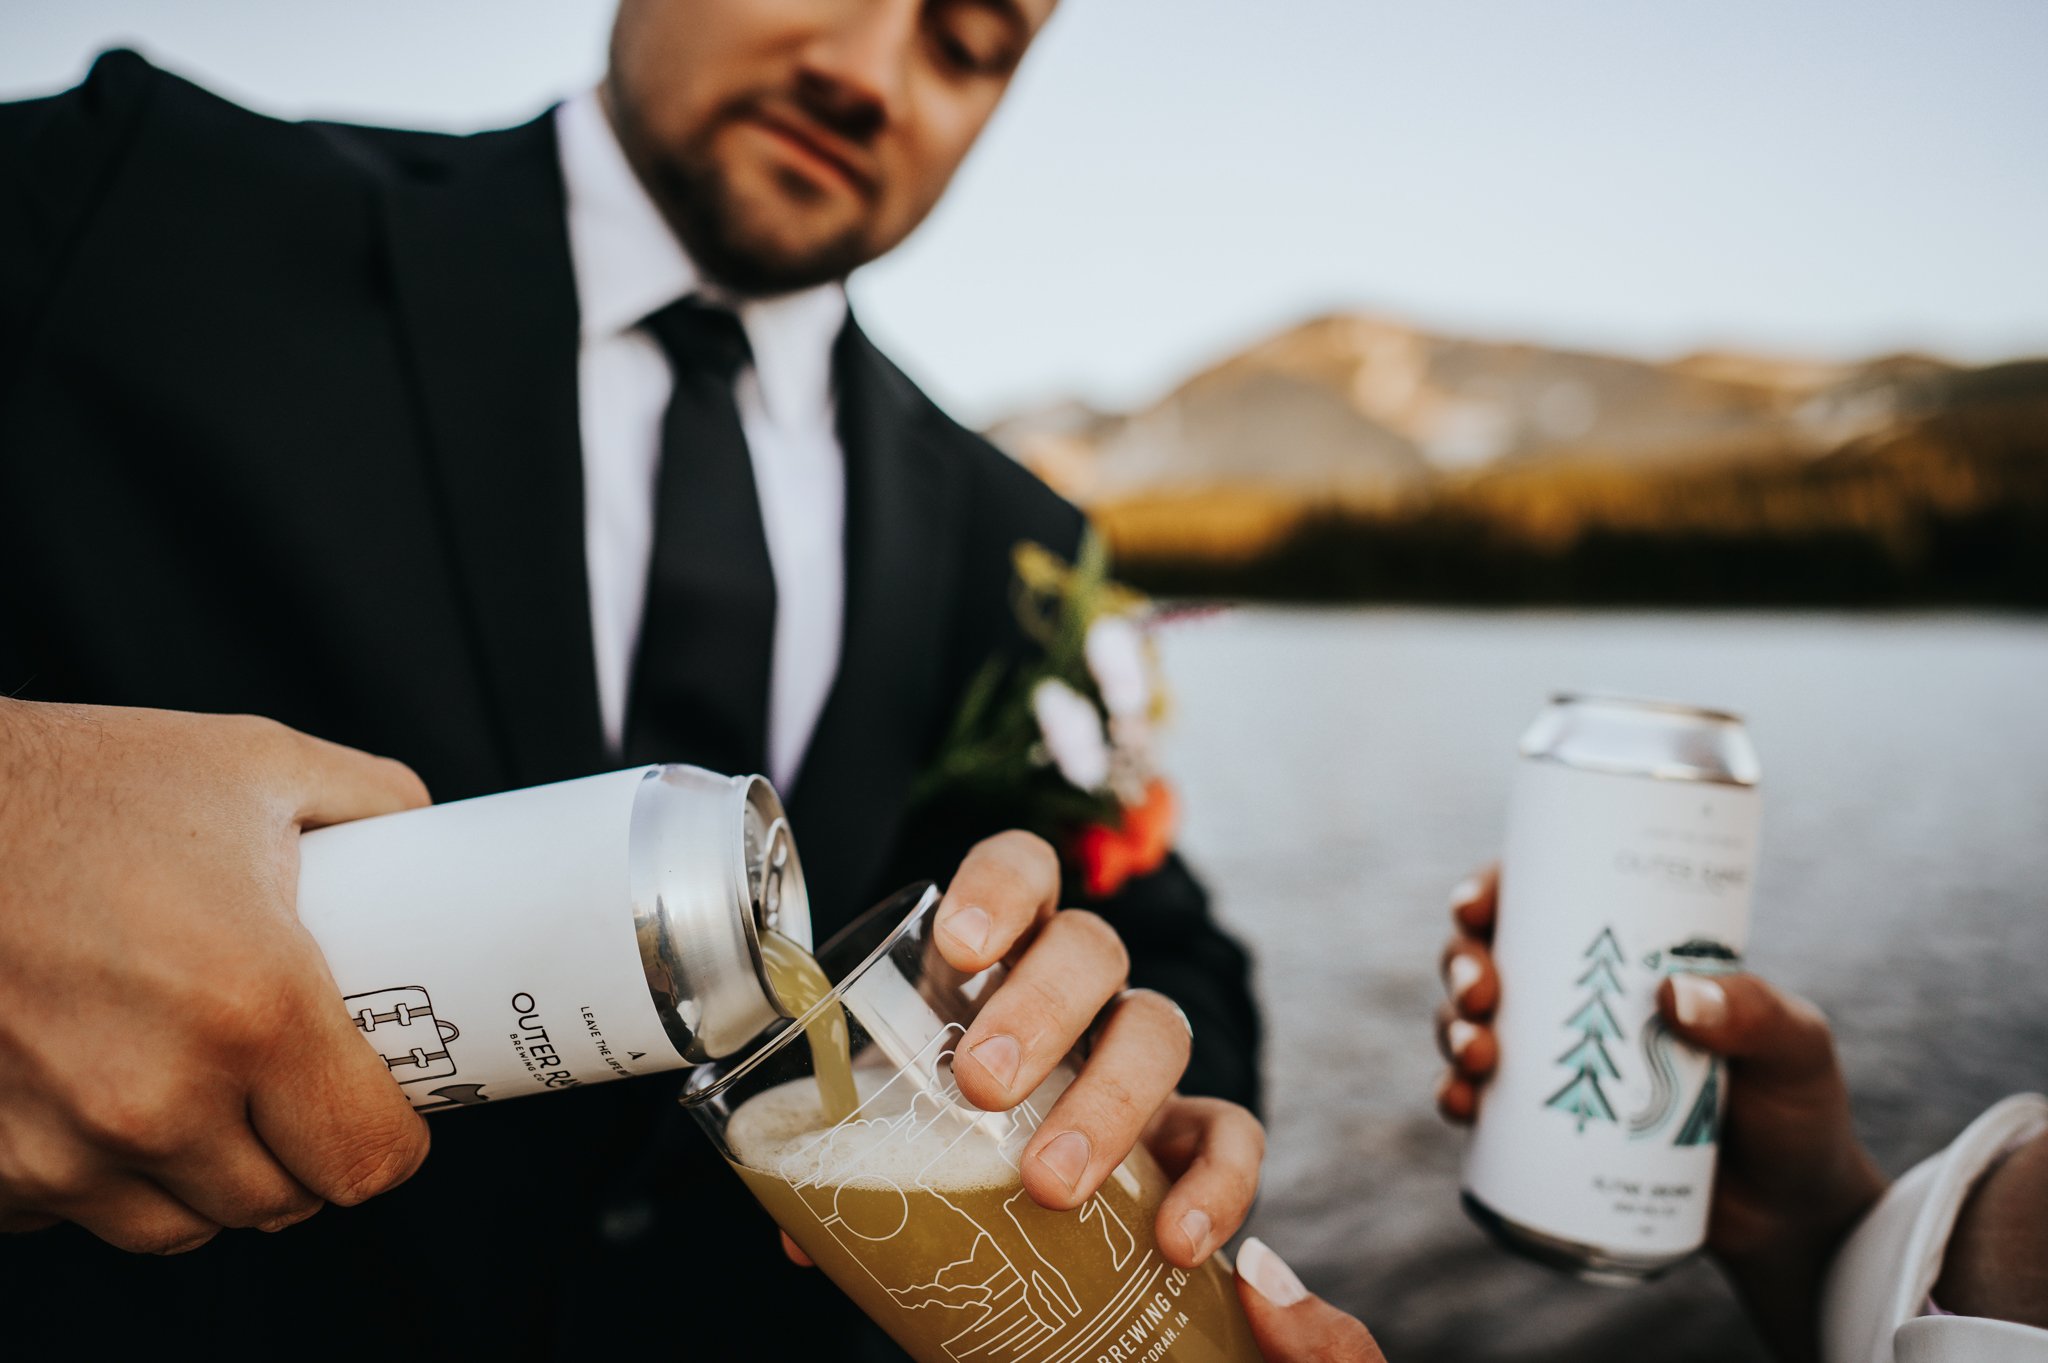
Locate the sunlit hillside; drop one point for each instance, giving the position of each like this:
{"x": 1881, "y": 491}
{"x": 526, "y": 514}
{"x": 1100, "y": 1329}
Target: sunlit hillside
{"x": 1352, "y": 458}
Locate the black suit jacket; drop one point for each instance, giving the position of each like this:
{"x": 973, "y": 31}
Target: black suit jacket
{"x": 288, "y": 426}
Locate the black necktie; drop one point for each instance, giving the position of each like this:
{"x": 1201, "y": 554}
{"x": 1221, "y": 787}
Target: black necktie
{"x": 699, "y": 690}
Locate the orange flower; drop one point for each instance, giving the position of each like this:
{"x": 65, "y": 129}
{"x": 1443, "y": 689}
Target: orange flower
{"x": 1109, "y": 856}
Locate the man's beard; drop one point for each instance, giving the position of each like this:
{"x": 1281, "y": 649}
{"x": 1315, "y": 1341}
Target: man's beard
{"x": 693, "y": 195}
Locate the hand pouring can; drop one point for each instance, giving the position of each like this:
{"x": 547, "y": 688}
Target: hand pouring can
{"x": 563, "y": 935}
{"x": 1630, "y": 851}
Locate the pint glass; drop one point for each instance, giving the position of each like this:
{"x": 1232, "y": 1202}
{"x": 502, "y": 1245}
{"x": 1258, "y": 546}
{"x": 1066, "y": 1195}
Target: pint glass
{"x": 913, "y": 1204}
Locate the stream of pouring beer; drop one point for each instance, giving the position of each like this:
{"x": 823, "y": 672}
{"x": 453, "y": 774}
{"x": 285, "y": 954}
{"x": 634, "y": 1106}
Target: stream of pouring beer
{"x": 800, "y": 982}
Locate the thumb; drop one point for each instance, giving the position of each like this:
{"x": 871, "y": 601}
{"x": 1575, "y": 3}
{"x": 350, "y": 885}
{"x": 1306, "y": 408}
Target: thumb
{"x": 1290, "y": 1324}
{"x": 1773, "y": 1036}
{"x": 337, "y": 784}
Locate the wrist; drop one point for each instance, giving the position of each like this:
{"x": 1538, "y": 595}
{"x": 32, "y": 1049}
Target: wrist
{"x": 1777, "y": 1258}
{"x": 29, "y": 753}
{"x": 14, "y": 759}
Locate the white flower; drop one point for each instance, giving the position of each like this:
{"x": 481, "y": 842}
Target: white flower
{"x": 1073, "y": 733}
{"x": 1116, "y": 658}
{"x": 1130, "y": 759}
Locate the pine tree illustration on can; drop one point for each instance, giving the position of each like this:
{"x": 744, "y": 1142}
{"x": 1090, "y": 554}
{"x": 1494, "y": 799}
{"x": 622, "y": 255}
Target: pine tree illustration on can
{"x": 1630, "y": 856}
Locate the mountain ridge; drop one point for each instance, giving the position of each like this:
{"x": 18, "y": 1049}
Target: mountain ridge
{"x": 1363, "y": 427}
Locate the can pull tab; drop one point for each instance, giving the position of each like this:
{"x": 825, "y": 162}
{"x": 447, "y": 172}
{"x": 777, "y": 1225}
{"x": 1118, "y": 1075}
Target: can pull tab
{"x": 771, "y": 877}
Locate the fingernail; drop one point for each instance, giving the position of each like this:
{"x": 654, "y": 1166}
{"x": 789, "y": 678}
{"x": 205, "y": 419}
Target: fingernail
{"x": 1698, "y": 1001}
{"x": 1460, "y": 1034}
{"x": 999, "y": 1055}
{"x": 1269, "y": 1274}
{"x": 187, "y": 1246}
{"x": 1464, "y": 892}
{"x": 1464, "y": 973}
{"x": 969, "y": 927}
{"x": 1196, "y": 1225}
{"x": 1067, "y": 1157}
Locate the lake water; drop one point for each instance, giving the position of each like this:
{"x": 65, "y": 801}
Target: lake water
{"x": 1341, "y": 769}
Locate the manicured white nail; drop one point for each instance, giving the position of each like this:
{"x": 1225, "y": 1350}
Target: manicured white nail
{"x": 1465, "y": 892}
{"x": 1460, "y": 1034}
{"x": 1700, "y": 1002}
{"x": 1464, "y": 972}
{"x": 1269, "y": 1274}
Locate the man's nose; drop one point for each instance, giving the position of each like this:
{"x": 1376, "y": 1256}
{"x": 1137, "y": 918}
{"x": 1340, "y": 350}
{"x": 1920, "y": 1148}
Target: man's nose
{"x": 860, "y": 59}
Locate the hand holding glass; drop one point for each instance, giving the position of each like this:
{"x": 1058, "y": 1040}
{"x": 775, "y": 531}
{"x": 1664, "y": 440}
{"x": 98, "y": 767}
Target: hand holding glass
{"x": 913, "y": 1202}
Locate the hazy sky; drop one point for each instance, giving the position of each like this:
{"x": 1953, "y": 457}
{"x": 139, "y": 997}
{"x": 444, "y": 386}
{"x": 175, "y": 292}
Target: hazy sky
{"x": 1171, "y": 178}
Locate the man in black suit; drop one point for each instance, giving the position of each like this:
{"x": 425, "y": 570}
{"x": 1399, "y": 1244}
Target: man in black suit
{"x": 360, "y": 431}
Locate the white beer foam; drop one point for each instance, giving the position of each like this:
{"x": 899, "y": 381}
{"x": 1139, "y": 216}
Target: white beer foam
{"x": 900, "y": 1136}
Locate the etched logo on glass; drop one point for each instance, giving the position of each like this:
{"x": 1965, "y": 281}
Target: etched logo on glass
{"x": 919, "y": 1177}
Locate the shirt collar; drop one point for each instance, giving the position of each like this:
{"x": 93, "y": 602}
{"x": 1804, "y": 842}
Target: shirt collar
{"x": 628, "y": 264}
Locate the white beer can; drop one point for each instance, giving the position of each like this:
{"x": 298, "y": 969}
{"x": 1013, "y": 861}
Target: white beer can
{"x": 1631, "y": 852}
{"x": 567, "y": 934}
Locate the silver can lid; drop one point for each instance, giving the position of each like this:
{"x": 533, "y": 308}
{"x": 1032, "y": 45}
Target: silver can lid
{"x": 713, "y": 865}
{"x": 1633, "y": 736}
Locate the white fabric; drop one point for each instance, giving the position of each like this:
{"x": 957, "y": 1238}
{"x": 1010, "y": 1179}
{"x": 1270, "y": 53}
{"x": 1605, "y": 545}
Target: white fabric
{"x": 1968, "y": 1339}
{"x": 628, "y": 264}
{"x": 1879, "y": 1283}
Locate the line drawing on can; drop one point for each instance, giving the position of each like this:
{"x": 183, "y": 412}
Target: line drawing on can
{"x": 400, "y": 1023}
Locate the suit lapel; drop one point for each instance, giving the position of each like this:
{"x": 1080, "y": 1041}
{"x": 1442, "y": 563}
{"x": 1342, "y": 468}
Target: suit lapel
{"x": 480, "y": 255}
{"x": 904, "y": 503}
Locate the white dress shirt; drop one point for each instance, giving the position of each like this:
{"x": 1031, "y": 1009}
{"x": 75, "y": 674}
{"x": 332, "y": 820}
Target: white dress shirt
{"x": 628, "y": 264}
{"x": 1874, "y": 1306}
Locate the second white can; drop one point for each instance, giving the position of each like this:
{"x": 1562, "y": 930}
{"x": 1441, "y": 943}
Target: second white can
{"x": 1630, "y": 856}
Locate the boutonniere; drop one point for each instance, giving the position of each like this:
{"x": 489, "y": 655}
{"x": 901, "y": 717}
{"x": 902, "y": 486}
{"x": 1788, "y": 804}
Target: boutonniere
{"x": 1061, "y": 740}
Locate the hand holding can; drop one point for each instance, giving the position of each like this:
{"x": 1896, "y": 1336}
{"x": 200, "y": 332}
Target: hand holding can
{"x": 175, "y": 1062}
{"x": 1792, "y": 1177}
